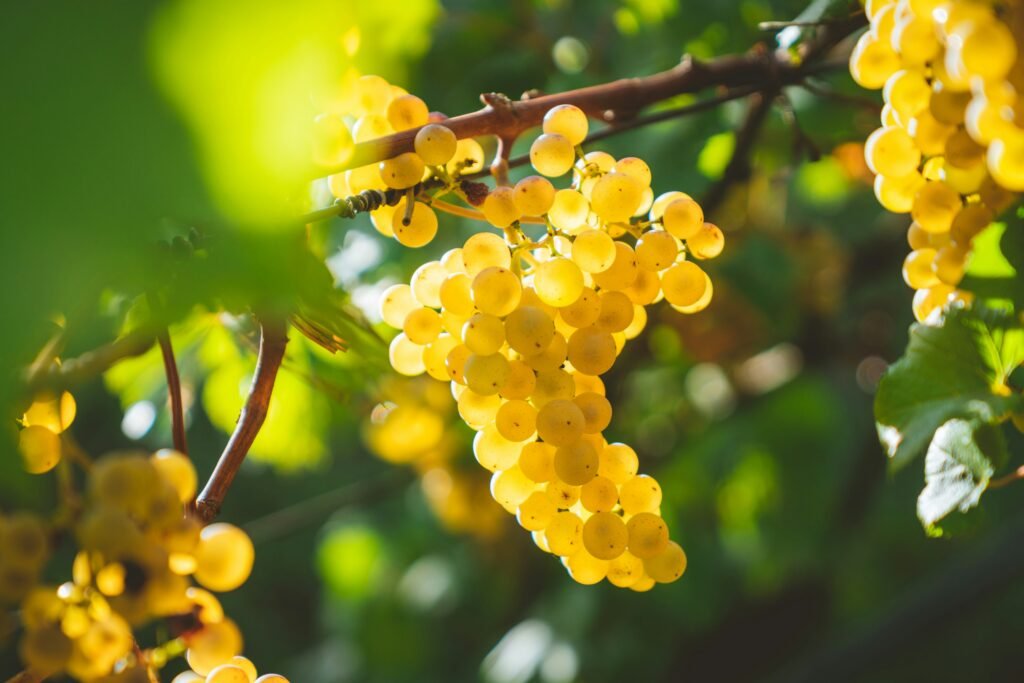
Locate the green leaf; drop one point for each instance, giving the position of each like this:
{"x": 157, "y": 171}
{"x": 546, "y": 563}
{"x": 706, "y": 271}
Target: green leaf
{"x": 954, "y": 368}
{"x": 957, "y": 469}
{"x": 716, "y": 154}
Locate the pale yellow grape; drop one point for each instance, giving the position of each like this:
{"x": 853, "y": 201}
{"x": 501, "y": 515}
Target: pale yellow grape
{"x": 683, "y": 218}
{"x": 558, "y": 282}
{"x": 529, "y": 330}
{"x": 586, "y": 569}
{"x": 987, "y": 119}
{"x": 569, "y": 211}
{"x": 435, "y": 356}
{"x": 599, "y": 494}
{"x": 364, "y": 178}
{"x": 642, "y": 584}
{"x": 452, "y": 261}
{"x": 530, "y": 298}
{"x": 453, "y": 323}
{"x": 1006, "y": 161}
{"x": 496, "y": 291}
{"x": 890, "y": 151}
{"x": 597, "y": 411}
{"x": 929, "y": 135}
{"x": 897, "y": 194}
{"x": 422, "y": 224}
{"x": 552, "y": 384}
{"x": 370, "y": 127}
{"x": 536, "y": 512}
{"x": 640, "y": 494}
{"x": 536, "y": 460}
{"x": 618, "y": 462}
{"x": 639, "y": 321}
{"x": 917, "y": 269}
{"x": 552, "y": 155}
{"x": 564, "y": 534}
{"x": 500, "y": 208}
{"x": 520, "y": 382}
{"x": 271, "y": 678}
{"x": 566, "y": 120}
{"x": 456, "y": 294}
{"x": 406, "y": 357}
{"x": 648, "y": 534}
{"x": 422, "y": 326}
{"x": 935, "y": 206}
{"x": 616, "y": 312}
{"x": 701, "y": 303}
{"x": 493, "y": 451}
{"x": 486, "y": 374}
{"x": 593, "y": 251}
{"x": 468, "y": 157}
{"x": 962, "y": 151}
{"x": 383, "y": 220}
{"x": 576, "y": 463}
{"x": 969, "y": 221}
{"x": 646, "y": 200}
{"x": 332, "y": 142}
{"x": 949, "y": 264}
{"x": 948, "y": 105}
{"x": 668, "y": 565}
{"x": 227, "y": 673}
{"x": 551, "y": 357}
{"x": 586, "y": 383}
{"x": 485, "y": 250}
{"x": 478, "y": 410}
{"x": 213, "y": 645}
{"x": 407, "y": 111}
{"x": 205, "y": 605}
{"x": 987, "y": 49}
{"x": 623, "y": 271}
{"x": 584, "y": 311}
{"x": 645, "y": 289}
{"x": 435, "y": 144}
{"x": 616, "y": 197}
{"x": 402, "y": 171}
{"x": 872, "y": 62}
{"x": 224, "y": 557}
{"x": 563, "y": 495}
{"x": 683, "y": 284}
{"x": 918, "y": 238}
{"x": 966, "y": 181}
{"x": 560, "y": 422}
{"x": 371, "y": 95}
{"x": 908, "y": 92}
{"x": 662, "y": 201}
{"x": 591, "y": 350}
{"x": 634, "y": 167}
{"x": 534, "y": 195}
{"x": 605, "y": 536}
{"x": 188, "y": 677}
{"x": 40, "y": 449}
{"x": 707, "y": 243}
{"x": 516, "y": 420}
{"x": 595, "y": 163}
{"x": 177, "y": 470}
{"x": 914, "y": 38}
{"x": 656, "y": 250}
{"x": 484, "y": 334}
{"x": 510, "y": 488}
{"x": 625, "y": 570}
{"x": 50, "y": 411}
{"x": 245, "y": 665}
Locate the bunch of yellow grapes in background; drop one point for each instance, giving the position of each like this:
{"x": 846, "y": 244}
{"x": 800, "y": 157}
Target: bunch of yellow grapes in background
{"x": 523, "y": 326}
{"x": 950, "y": 151}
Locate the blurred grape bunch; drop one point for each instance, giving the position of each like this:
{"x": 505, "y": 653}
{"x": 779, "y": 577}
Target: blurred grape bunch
{"x": 249, "y": 79}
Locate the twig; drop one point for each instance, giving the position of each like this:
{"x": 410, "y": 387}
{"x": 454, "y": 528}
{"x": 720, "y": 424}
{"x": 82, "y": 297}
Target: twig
{"x": 91, "y": 363}
{"x": 173, "y": 392}
{"x": 273, "y": 340}
{"x": 47, "y": 355}
{"x": 466, "y": 212}
{"x": 827, "y": 93}
{"x": 25, "y": 677}
{"x": 1006, "y": 479}
{"x": 779, "y": 25}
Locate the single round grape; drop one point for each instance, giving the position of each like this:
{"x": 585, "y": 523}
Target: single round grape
{"x": 605, "y": 536}
{"x": 550, "y": 358}
{"x": 597, "y": 411}
{"x": 592, "y": 350}
{"x": 455, "y": 363}
{"x": 625, "y": 570}
{"x": 516, "y": 420}
{"x": 640, "y": 494}
{"x": 648, "y": 534}
{"x": 371, "y": 94}
{"x": 176, "y": 469}
{"x": 586, "y": 569}
{"x": 915, "y": 40}
{"x": 500, "y": 208}
{"x": 401, "y": 172}
{"x": 564, "y": 534}
{"x": 520, "y": 382}
{"x": 593, "y": 251}
{"x": 364, "y": 178}
{"x": 227, "y": 673}
{"x": 534, "y": 195}
{"x": 683, "y": 218}
{"x": 496, "y": 291}
{"x": 552, "y": 155}
{"x": 422, "y": 326}
{"x": 478, "y": 410}
{"x": 536, "y": 512}
{"x": 595, "y": 163}
{"x": 407, "y": 111}
{"x": 987, "y": 49}
{"x": 599, "y": 494}
{"x": 908, "y": 92}
{"x": 396, "y": 303}
{"x": 668, "y": 565}
{"x": 618, "y": 462}
{"x": 485, "y": 250}
{"x": 949, "y": 265}
{"x": 468, "y": 158}
{"x": 707, "y": 243}
{"x": 962, "y": 151}
{"x": 456, "y": 295}
{"x": 213, "y": 645}
{"x": 935, "y": 206}
{"x": 484, "y": 334}
{"x": 684, "y": 284}
{"x": 930, "y": 135}
{"x": 560, "y": 422}
{"x": 224, "y": 557}
{"x": 634, "y": 167}
{"x": 56, "y": 413}
{"x": 422, "y": 225}
{"x": 494, "y": 451}
{"x": 584, "y": 311}
{"x": 435, "y": 144}
{"x": 616, "y": 312}
{"x": 1006, "y": 161}
{"x": 510, "y": 488}
{"x": 891, "y": 151}
{"x": 486, "y": 374}
{"x": 969, "y": 221}
{"x": 536, "y": 460}
{"x": 332, "y": 142}
{"x": 638, "y": 324}
{"x": 897, "y": 194}
{"x": 552, "y": 384}
{"x": 406, "y": 357}
{"x": 872, "y": 62}
{"x": 576, "y": 463}
{"x": 563, "y": 495}
{"x": 656, "y": 250}
{"x": 616, "y": 197}
{"x": 623, "y": 271}
{"x": 529, "y": 330}
{"x": 569, "y": 211}
{"x": 40, "y": 449}
{"x": 558, "y": 282}
{"x": 566, "y": 120}
{"x": 917, "y": 269}
{"x": 662, "y": 201}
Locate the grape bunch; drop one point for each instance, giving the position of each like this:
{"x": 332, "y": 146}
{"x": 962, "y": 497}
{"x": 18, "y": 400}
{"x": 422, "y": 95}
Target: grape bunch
{"x": 950, "y": 151}
{"x": 523, "y": 326}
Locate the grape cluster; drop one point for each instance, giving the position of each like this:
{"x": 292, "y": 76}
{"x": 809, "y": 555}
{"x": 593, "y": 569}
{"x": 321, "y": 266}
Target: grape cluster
{"x": 523, "y": 327}
{"x": 950, "y": 151}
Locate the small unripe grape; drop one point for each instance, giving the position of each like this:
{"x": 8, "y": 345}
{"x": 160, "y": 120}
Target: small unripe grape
{"x": 552, "y": 155}
{"x": 576, "y": 463}
{"x": 534, "y": 195}
{"x": 640, "y": 494}
{"x": 536, "y": 512}
{"x": 405, "y": 356}
{"x": 486, "y": 374}
{"x": 890, "y": 151}
{"x": 648, "y": 534}
{"x": 599, "y": 494}
{"x": 569, "y": 211}
{"x": 40, "y": 449}
{"x": 496, "y": 291}
{"x": 564, "y": 534}
{"x": 684, "y": 284}
{"x": 224, "y": 557}
{"x": 560, "y": 422}
{"x": 407, "y": 111}
{"x": 402, "y": 172}
{"x": 536, "y": 460}
{"x": 592, "y": 350}
{"x": 500, "y": 208}
{"x": 485, "y": 250}
{"x": 707, "y": 243}
{"x": 566, "y": 120}
{"x": 176, "y": 469}
{"x": 623, "y": 271}
{"x": 917, "y": 269}
{"x": 332, "y": 142}
{"x": 516, "y": 420}
{"x": 435, "y": 144}
{"x": 593, "y": 251}
{"x": 520, "y": 382}
{"x": 468, "y": 157}
{"x": 605, "y": 536}
{"x": 668, "y": 565}
{"x": 484, "y": 334}
{"x": 558, "y": 282}
{"x": 422, "y": 224}
{"x": 616, "y": 197}
{"x": 529, "y": 330}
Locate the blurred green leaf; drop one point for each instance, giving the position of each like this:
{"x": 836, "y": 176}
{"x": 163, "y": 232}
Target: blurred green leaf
{"x": 957, "y": 469}
{"x": 716, "y": 154}
{"x": 350, "y": 559}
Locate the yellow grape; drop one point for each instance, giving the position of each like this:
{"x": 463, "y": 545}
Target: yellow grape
{"x": 53, "y": 412}
{"x": 616, "y": 312}
{"x": 510, "y": 488}
{"x": 529, "y": 330}
{"x": 890, "y": 151}
{"x": 592, "y": 350}
{"x": 584, "y": 311}
{"x": 625, "y": 570}
{"x": 597, "y": 411}
{"x": 405, "y": 356}
{"x": 396, "y": 303}
{"x": 478, "y": 410}
{"x": 534, "y": 195}
{"x": 566, "y": 120}
{"x": 586, "y": 569}
{"x": 486, "y": 374}
{"x": 520, "y": 382}
{"x": 372, "y": 94}
{"x": 536, "y": 512}
{"x": 456, "y": 294}
{"x": 635, "y": 168}
{"x": 648, "y": 534}
{"x": 560, "y": 422}
{"x": 605, "y": 536}
{"x": 224, "y": 557}
{"x": 422, "y": 225}
{"x": 623, "y": 271}
{"x": 213, "y": 645}
{"x": 576, "y": 463}
{"x": 40, "y": 449}
{"x": 484, "y": 334}
{"x": 227, "y": 673}
{"x": 569, "y": 211}
{"x": 684, "y": 284}
{"x": 496, "y": 291}
{"x": 485, "y": 250}
{"x": 593, "y": 251}
{"x": 552, "y": 155}
{"x": 935, "y": 206}
{"x": 500, "y": 208}
{"x": 516, "y": 420}
{"x": 422, "y": 326}
{"x": 707, "y": 243}
{"x": 407, "y": 111}
{"x": 558, "y": 282}
{"x": 564, "y": 534}
{"x": 616, "y": 197}
{"x": 551, "y": 357}
{"x": 176, "y": 469}
{"x": 435, "y": 144}
{"x": 493, "y": 451}
{"x": 917, "y": 269}
{"x": 536, "y": 460}
{"x": 656, "y": 250}
{"x": 668, "y": 565}
{"x": 599, "y": 494}
{"x": 468, "y": 158}
{"x": 640, "y": 494}
{"x": 552, "y": 384}
{"x": 332, "y": 142}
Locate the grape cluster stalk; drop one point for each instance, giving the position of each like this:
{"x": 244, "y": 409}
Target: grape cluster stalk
{"x": 950, "y": 150}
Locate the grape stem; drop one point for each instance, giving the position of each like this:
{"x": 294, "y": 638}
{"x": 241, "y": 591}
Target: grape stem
{"x": 466, "y": 212}
{"x": 91, "y": 363}
{"x": 273, "y": 340}
{"x": 1000, "y": 482}
{"x": 173, "y": 392}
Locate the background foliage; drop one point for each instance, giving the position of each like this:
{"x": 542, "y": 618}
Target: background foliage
{"x": 806, "y": 559}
